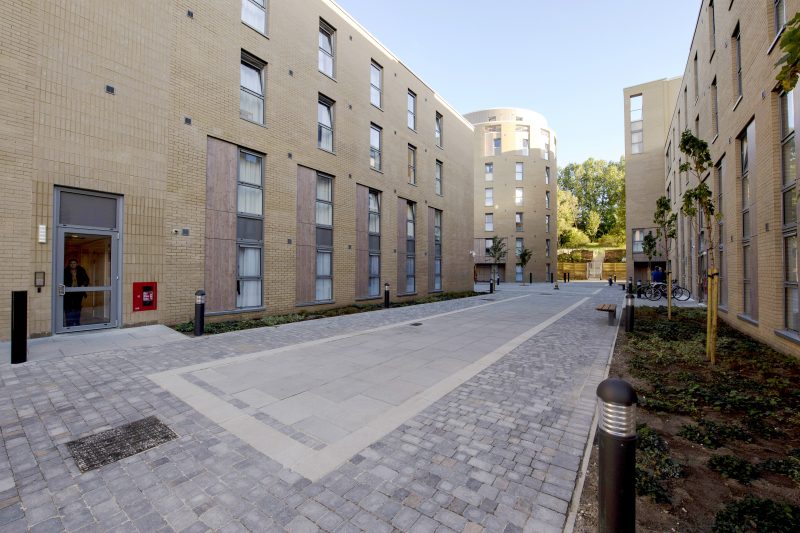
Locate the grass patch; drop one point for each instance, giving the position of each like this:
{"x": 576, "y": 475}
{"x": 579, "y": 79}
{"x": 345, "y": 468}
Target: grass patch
{"x": 212, "y": 328}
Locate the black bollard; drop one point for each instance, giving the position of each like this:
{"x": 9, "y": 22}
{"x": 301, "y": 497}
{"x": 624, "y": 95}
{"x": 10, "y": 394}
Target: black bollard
{"x": 615, "y": 278}
{"x": 616, "y": 435}
{"x": 629, "y": 312}
{"x": 530, "y": 277}
{"x": 386, "y": 296}
{"x": 491, "y": 285}
{"x": 19, "y": 327}
{"x": 638, "y": 288}
{"x": 565, "y": 277}
{"x": 610, "y": 283}
{"x": 569, "y": 277}
{"x": 199, "y": 312}
{"x": 630, "y": 285}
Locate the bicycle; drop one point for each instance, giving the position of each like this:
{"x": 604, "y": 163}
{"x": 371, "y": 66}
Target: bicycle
{"x": 657, "y": 291}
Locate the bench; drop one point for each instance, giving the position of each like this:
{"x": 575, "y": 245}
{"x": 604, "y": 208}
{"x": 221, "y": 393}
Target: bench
{"x": 611, "y": 309}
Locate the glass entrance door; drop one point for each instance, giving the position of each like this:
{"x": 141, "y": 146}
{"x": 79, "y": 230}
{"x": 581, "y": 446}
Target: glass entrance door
{"x": 86, "y": 272}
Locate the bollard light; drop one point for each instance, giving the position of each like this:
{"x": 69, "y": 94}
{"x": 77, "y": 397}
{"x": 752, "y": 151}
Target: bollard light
{"x": 616, "y": 404}
{"x": 386, "y": 295}
{"x": 199, "y": 312}
{"x": 629, "y": 312}
{"x": 200, "y": 297}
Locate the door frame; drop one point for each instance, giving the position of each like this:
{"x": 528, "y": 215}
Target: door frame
{"x": 116, "y": 235}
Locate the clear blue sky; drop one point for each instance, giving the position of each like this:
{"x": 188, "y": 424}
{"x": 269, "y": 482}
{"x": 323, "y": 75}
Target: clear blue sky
{"x": 568, "y": 61}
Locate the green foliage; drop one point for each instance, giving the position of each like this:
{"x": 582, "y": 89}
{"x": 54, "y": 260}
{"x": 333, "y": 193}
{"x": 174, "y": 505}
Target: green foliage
{"x": 567, "y": 214}
{"x": 712, "y": 434}
{"x": 666, "y": 222}
{"x": 497, "y": 251}
{"x": 592, "y": 224}
{"x": 616, "y": 237}
{"x": 790, "y": 60}
{"x": 790, "y": 466}
{"x": 698, "y": 198}
{"x": 650, "y": 246}
{"x": 654, "y": 465}
{"x": 755, "y": 515}
{"x": 697, "y": 154}
{"x": 597, "y": 186}
{"x": 575, "y": 238}
{"x": 734, "y": 467}
{"x": 614, "y": 256}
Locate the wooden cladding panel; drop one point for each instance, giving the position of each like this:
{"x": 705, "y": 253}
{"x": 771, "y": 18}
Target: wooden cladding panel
{"x": 220, "y": 242}
{"x": 306, "y": 235}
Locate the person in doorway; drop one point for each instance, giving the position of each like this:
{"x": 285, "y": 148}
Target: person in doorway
{"x": 658, "y": 276}
{"x": 74, "y": 276}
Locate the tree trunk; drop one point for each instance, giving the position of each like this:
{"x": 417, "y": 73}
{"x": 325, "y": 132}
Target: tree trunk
{"x": 669, "y": 295}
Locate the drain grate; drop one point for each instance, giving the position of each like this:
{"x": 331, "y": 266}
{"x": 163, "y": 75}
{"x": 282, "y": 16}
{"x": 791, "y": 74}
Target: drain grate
{"x": 416, "y": 324}
{"x": 118, "y": 443}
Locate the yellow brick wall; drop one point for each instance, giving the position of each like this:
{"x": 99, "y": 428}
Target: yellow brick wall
{"x": 60, "y": 128}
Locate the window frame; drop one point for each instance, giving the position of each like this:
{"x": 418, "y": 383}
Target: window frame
{"x": 375, "y": 153}
{"x": 320, "y": 248}
{"x": 488, "y": 197}
{"x": 374, "y": 252}
{"x": 637, "y": 125}
{"x": 328, "y": 103}
{"x": 438, "y": 130}
{"x": 242, "y": 242}
{"x": 488, "y": 171}
{"x": 438, "y": 177}
{"x": 488, "y": 222}
{"x": 519, "y": 171}
{"x": 519, "y": 196}
{"x": 412, "y": 164}
{"x": 264, "y": 8}
{"x": 736, "y": 37}
{"x": 376, "y": 89}
{"x": 519, "y": 221}
{"x": 438, "y": 217}
{"x": 411, "y": 109}
{"x": 411, "y": 239}
{"x": 330, "y": 32}
{"x": 259, "y": 66}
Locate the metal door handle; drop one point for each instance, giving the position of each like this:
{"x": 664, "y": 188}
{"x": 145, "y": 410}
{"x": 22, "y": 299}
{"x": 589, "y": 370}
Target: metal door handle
{"x": 61, "y": 290}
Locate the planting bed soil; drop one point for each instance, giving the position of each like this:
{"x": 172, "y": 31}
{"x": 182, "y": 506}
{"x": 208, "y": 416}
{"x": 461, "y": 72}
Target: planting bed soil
{"x": 719, "y": 446}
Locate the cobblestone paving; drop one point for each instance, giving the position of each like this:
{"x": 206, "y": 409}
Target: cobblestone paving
{"x": 499, "y": 453}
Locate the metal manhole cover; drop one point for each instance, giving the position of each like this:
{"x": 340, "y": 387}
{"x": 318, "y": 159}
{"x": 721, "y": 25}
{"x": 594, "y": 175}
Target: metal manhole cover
{"x": 118, "y": 443}
{"x": 416, "y": 324}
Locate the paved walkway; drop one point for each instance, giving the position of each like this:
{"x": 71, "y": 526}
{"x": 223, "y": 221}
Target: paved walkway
{"x": 474, "y": 420}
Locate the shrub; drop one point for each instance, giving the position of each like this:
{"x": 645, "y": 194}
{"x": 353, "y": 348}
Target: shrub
{"x": 575, "y": 238}
{"x": 755, "y": 514}
{"x": 734, "y": 467}
{"x": 611, "y": 239}
{"x": 614, "y": 256}
{"x": 654, "y": 465}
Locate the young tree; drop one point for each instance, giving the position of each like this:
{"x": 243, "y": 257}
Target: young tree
{"x": 790, "y": 45}
{"x": 524, "y": 257}
{"x": 598, "y": 186}
{"x": 666, "y": 228}
{"x": 650, "y": 249}
{"x": 592, "y": 224}
{"x": 497, "y": 251}
{"x": 567, "y": 214}
{"x": 700, "y": 200}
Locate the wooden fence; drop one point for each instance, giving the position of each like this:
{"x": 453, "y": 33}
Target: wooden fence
{"x": 580, "y": 271}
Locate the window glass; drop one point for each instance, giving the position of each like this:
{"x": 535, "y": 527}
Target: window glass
{"x": 249, "y": 168}
{"x": 489, "y": 171}
{"x": 77, "y": 209}
{"x": 254, "y": 14}
{"x": 326, "y": 50}
{"x": 375, "y": 83}
{"x": 250, "y": 200}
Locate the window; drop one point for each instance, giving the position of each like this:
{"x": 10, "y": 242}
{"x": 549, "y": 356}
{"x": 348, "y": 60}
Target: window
{"x": 545, "y": 144}
{"x": 487, "y": 245}
{"x": 714, "y": 108}
{"x": 412, "y": 111}
{"x": 488, "y": 171}
{"x": 547, "y": 247}
{"x": 411, "y": 209}
{"x": 518, "y": 221}
{"x": 780, "y": 16}
{"x": 488, "y": 199}
{"x": 488, "y": 222}
{"x": 547, "y": 199}
{"x": 518, "y": 196}
{"x": 254, "y": 14}
{"x": 522, "y": 140}
{"x": 374, "y": 227}
{"x": 746, "y": 146}
{"x": 637, "y": 140}
{"x": 737, "y": 61}
{"x": 325, "y": 123}
{"x": 518, "y": 273}
{"x": 437, "y": 177}
{"x": 547, "y": 223}
{"x": 375, "y": 84}
{"x": 326, "y": 48}
{"x": 719, "y": 171}
{"x": 437, "y": 250}
{"x": 492, "y": 141}
{"x": 324, "y": 219}
{"x": 638, "y": 240}
{"x": 696, "y": 79}
{"x": 249, "y": 230}
{"x": 519, "y": 244}
{"x": 547, "y": 175}
{"x": 412, "y": 165}
{"x": 251, "y": 93}
{"x": 375, "y": 147}
{"x": 791, "y": 299}
{"x": 712, "y": 27}
{"x": 519, "y": 171}
{"x": 438, "y": 126}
